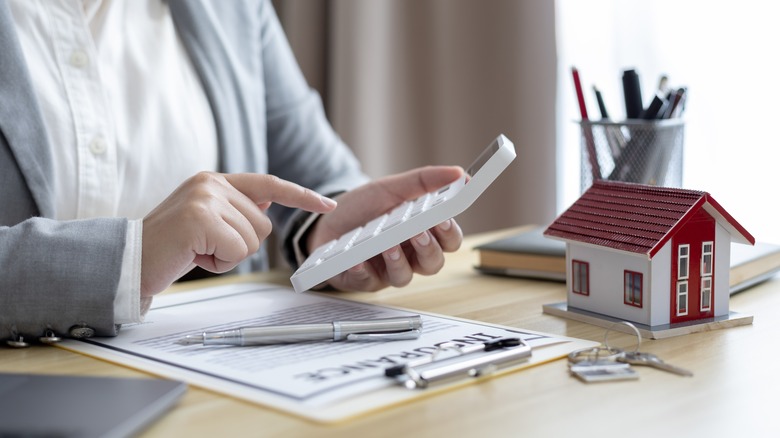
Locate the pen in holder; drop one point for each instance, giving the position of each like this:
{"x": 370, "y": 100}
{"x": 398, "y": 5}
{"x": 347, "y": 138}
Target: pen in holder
{"x": 638, "y": 151}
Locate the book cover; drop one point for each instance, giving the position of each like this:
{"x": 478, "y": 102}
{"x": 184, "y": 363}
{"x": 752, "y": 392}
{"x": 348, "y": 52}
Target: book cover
{"x": 528, "y": 255}
{"x": 752, "y": 264}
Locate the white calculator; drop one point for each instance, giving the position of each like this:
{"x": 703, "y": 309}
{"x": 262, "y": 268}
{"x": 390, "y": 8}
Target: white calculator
{"x": 405, "y": 221}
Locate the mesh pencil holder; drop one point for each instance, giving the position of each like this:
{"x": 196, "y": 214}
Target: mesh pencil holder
{"x": 638, "y": 151}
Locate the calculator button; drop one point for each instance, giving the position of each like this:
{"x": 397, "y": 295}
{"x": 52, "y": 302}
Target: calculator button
{"x": 419, "y": 205}
{"x": 370, "y": 230}
{"x": 316, "y": 257}
{"x": 437, "y": 201}
{"x": 396, "y": 216}
{"x": 343, "y": 244}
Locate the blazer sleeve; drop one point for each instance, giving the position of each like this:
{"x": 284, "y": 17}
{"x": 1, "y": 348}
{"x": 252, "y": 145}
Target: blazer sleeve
{"x": 269, "y": 120}
{"x": 57, "y": 275}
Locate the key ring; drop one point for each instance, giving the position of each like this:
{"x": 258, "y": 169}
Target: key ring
{"x": 604, "y": 353}
{"x": 636, "y": 331}
{"x": 594, "y": 355}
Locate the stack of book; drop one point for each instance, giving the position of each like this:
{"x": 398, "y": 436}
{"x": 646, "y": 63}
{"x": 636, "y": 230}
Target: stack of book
{"x": 532, "y": 255}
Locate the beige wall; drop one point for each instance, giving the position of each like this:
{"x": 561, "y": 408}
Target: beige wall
{"x": 415, "y": 82}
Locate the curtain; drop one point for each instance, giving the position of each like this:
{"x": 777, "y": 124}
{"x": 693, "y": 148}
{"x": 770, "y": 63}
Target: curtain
{"x": 407, "y": 83}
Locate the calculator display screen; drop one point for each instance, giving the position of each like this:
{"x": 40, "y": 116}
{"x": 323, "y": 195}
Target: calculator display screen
{"x": 482, "y": 159}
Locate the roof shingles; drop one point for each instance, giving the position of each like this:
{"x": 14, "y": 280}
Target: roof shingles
{"x": 630, "y": 217}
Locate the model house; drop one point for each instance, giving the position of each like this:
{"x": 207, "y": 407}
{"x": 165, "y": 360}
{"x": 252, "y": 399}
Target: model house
{"x": 654, "y": 256}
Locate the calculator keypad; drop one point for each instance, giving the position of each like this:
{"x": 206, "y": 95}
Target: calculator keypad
{"x": 359, "y": 235}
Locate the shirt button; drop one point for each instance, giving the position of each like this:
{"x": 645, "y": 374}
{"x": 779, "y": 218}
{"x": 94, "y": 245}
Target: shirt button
{"x": 79, "y": 58}
{"x": 98, "y": 146}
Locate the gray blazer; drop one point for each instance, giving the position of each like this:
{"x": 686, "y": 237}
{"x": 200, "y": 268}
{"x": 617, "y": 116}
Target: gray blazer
{"x": 60, "y": 274}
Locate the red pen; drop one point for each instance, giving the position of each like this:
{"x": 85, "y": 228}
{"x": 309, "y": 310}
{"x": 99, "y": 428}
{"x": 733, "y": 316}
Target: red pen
{"x": 580, "y": 96}
{"x": 587, "y": 132}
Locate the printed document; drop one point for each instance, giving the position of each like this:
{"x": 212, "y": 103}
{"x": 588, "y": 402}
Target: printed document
{"x": 324, "y": 381}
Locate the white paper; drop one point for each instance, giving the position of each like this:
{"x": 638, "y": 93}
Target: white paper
{"x": 321, "y": 380}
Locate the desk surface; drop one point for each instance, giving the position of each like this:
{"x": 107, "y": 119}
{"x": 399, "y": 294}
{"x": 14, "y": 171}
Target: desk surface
{"x": 734, "y": 377}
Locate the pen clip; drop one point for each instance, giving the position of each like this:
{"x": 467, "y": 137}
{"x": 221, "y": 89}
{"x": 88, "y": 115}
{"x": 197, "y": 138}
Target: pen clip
{"x": 385, "y": 336}
{"x": 471, "y": 361}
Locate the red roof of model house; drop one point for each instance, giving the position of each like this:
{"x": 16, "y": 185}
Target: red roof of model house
{"x": 637, "y": 218}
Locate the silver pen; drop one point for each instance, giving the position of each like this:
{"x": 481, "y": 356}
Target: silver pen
{"x": 387, "y": 329}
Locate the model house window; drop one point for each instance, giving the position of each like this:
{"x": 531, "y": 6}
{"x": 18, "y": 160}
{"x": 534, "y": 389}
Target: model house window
{"x": 683, "y": 261}
{"x": 706, "y": 258}
{"x": 580, "y": 277}
{"x": 706, "y": 276}
{"x": 632, "y": 286}
{"x": 706, "y": 293}
{"x": 682, "y": 298}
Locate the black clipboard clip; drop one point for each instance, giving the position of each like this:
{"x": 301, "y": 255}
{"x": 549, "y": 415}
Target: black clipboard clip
{"x": 469, "y": 361}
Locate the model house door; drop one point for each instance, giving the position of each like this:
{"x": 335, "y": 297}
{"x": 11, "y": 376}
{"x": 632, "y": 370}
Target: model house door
{"x": 693, "y": 255}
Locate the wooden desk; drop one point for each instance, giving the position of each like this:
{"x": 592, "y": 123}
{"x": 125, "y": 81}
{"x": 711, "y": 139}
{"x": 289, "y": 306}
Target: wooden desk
{"x": 731, "y": 394}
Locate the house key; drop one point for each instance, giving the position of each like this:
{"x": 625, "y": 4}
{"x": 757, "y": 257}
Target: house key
{"x": 649, "y": 359}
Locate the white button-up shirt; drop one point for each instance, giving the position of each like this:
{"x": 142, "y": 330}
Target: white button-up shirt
{"x": 126, "y": 115}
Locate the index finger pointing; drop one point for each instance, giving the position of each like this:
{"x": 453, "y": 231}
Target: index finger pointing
{"x": 262, "y": 189}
